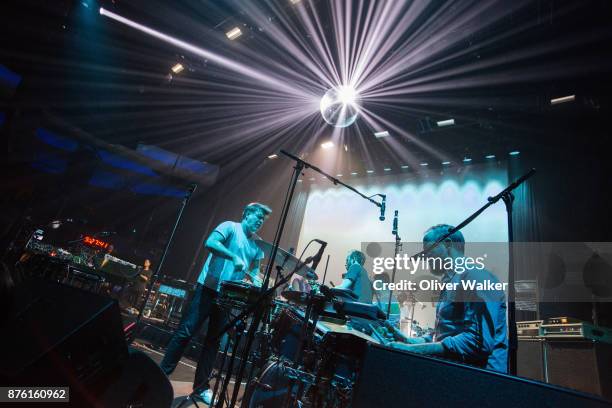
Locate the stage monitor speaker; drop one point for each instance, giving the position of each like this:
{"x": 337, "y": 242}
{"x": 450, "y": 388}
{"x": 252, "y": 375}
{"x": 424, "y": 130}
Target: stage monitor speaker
{"x": 59, "y": 333}
{"x": 530, "y": 359}
{"x": 581, "y": 365}
{"x": 391, "y": 378}
{"x": 62, "y": 336}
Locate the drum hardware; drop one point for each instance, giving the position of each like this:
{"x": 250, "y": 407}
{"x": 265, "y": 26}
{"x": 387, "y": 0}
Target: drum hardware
{"x": 254, "y": 307}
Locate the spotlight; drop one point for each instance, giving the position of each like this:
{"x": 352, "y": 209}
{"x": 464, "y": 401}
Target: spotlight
{"x": 338, "y": 175}
{"x": 387, "y": 169}
{"x": 563, "y": 99}
{"x": 514, "y": 153}
{"x": 327, "y": 145}
{"x": 424, "y": 164}
{"x": 405, "y": 166}
{"x": 384, "y": 133}
{"x": 446, "y": 163}
{"x": 273, "y": 156}
{"x": 234, "y": 33}
{"x": 447, "y": 122}
{"x": 369, "y": 171}
{"x": 467, "y": 160}
{"x": 178, "y": 67}
{"x": 295, "y": 1}
{"x": 354, "y": 173}
{"x": 312, "y": 179}
{"x": 347, "y": 95}
{"x": 490, "y": 156}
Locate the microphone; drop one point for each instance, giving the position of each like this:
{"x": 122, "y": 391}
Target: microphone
{"x": 317, "y": 258}
{"x": 383, "y": 207}
{"x": 394, "y": 232}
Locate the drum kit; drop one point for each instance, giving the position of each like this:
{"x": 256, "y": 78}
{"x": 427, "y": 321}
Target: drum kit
{"x": 310, "y": 342}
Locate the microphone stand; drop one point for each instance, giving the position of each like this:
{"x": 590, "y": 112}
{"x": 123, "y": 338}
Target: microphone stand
{"x": 258, "y": 311}
{"x": 332, "y": 178}
{"x": 398, "y": 246}
{"x": 508, "y": 199}
{"x": 154, "y": 277}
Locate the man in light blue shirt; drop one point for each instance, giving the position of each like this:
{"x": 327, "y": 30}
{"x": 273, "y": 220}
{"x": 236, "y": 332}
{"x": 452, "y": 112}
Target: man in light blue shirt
{"x": 234, "y": 256}
{"x": 470, "y": 324}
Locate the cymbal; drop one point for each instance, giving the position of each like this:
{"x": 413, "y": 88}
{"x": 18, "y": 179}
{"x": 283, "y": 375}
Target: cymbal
{"x": 288, "y": 261}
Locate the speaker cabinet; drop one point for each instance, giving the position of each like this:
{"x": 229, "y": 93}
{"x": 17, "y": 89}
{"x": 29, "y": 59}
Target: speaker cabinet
{"x": 530, "y": 359}
{"x": 391, "y": 378}
{"x": 62, "y": 336}
{"x": 581, "y": 365}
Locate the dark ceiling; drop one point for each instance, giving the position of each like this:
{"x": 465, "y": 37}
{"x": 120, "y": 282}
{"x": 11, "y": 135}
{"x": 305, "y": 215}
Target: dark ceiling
{"x": 112, "y": 81}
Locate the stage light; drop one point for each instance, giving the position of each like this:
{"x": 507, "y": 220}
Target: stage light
{"x": 387, "y": 169}
{"x": 178, "y": 67}
{"x": 424, "y": 164}
{"x": 405, "y": 166}
{"x": 347, "y": 95}
{"x": 234, "y": 33}
{"x": 490, "y": 156}
{"x": 300, "y": 180}
{"x": 369, "y": 171}
{"x": 327, "y": 145}
{"x": 384, "y": 133}
{"x": 446, "y": 163}
{"x": 447, "y": 122}
{"x": 514, "y": 153}
{"x": 354, "y": 173}
{"x": 563, "y": 99}
{"x": 208, "y": 55}
{"x": 273, "y": 156}
{"x": 345, "y": 148}
{"x": 295, "y": 1}
{"x": 338, "y": 175}
{"x": 467, "y": 160}
{"x": 339, "y": 106}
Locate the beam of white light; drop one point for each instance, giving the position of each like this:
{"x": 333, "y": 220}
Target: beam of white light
{"x": 234, "y": 66}
{"x": 347, "y": 95}
{"x": 393, "y": 54}
{"x": 318, "y": 35}
{"x": 288, "y": 40}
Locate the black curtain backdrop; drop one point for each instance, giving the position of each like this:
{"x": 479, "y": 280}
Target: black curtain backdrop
{"x": 567, "y": 200}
